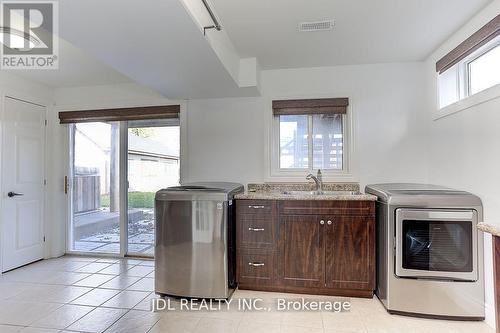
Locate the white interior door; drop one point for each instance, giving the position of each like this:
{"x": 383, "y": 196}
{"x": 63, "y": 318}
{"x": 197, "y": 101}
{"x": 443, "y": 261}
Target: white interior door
{"x": 22, "y": 211}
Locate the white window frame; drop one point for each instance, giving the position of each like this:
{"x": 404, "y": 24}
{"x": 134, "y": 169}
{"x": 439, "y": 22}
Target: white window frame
{"x": 283, "y": 174}
{"x": 465, "y": 98}
{"x": 471, "y": 58}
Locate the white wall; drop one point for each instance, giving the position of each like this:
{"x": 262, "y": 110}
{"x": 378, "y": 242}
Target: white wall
{"x": 225, "y": 140}
{"x": 463, "y": 146}
{"x": 228, "y": 139}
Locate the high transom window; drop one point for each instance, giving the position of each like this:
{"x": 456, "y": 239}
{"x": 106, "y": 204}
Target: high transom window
{"x": 472, "y": 69}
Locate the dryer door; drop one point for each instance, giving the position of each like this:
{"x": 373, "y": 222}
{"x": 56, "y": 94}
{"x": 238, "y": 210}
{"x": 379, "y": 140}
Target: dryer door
{"x": 436, "y": 244}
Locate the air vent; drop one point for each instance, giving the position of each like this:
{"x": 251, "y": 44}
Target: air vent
{"x": 316, "y": 26}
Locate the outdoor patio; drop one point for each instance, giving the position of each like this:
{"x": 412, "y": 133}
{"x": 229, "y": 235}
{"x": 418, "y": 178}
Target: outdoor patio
{"x": 99, "y": 232}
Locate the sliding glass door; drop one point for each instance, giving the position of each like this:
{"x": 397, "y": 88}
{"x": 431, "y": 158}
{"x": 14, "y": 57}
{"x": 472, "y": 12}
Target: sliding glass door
{"x": 153, "y": 163}
{"x": 116, "y": 169}
{"x": 95, "y": 195}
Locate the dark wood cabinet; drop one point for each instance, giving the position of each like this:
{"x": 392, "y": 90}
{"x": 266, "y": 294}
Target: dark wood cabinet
{"x": 302, "y": 251}
{"x": 349, "y": 253}
{"x": 256, "y": 244}
{"x": 317, "y": 247}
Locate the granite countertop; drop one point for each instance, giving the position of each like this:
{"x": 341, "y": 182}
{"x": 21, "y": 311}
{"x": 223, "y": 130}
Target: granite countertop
{"x": 275, "y": 191}
{"x": 491, "y": 228}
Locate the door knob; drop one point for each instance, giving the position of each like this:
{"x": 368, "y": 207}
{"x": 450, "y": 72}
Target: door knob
{"x": 329, "y": 222}
{"x": 321, "y": 222}
{"x": 13, "y": 194}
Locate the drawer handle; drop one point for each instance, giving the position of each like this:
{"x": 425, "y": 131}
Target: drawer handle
{"x": 256, "y": 264}
{"x": 329, "y": 222}
{"x": 321, "y": 222}
{"x": 255, "y": 229}
{"x": 257, "y": 207}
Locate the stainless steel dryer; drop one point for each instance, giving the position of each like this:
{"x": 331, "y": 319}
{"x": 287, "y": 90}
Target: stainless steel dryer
{"x": 429, "y": 251}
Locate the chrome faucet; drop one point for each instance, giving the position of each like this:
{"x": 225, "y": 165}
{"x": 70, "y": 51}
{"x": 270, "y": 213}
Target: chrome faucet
{"x": 318, "y": 179}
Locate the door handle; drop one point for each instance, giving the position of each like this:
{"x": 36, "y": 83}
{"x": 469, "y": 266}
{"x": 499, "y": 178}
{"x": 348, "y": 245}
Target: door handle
{"x": 13, "y": 194}
{"x": 321, "y": 222}
{"x": 329, "y": 222}
{"x": 66, "y": 185}
{"x": 257, "y": 207}
{"x": 255, "y": 229}
{"x": 256, "y": 264}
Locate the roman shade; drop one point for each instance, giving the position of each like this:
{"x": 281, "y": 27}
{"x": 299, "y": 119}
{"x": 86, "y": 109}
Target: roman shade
{"x": 310, "y": 106}
{"x": 471, "y": 44}
{"x": 121, "y": 114}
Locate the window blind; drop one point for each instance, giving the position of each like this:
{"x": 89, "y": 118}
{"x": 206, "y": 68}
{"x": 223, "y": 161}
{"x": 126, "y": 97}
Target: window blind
{"x": 120, "y": 114}
{"x": 471, "y": 44}
{"x": 310, "y": 106}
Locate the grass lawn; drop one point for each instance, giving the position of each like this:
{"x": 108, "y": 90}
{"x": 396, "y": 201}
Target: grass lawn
{"x": 135, "y": 200}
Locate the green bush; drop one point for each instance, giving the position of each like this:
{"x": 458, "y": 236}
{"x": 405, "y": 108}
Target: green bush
{"x": 141, "y": 199}
{"x": 105, "y": 200}
{"x": 135, "y": 200}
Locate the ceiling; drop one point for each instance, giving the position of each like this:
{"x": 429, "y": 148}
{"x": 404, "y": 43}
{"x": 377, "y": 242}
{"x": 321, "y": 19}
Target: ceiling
{"x": 157, "y": 43}
{"x": 366, "y": 31}
{"x": 76, "y": 68}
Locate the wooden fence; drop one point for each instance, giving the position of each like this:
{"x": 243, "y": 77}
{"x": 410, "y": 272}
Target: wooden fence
{"x": 86, "y": 190}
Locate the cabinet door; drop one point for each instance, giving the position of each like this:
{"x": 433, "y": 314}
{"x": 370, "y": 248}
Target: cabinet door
{"x": 302, "y": 251}
{"x": 349, "y": 252}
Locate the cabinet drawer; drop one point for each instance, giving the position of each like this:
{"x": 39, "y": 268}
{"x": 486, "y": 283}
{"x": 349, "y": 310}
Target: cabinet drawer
{"x": 331, "y": 207}
{"x": 259, "y": 208}
{"x": 255, "y": 267}
{"x": 255, "y": 232}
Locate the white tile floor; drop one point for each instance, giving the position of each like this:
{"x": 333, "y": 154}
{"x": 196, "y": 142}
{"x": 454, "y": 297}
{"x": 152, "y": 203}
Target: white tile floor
{"x": 79, "y": 294}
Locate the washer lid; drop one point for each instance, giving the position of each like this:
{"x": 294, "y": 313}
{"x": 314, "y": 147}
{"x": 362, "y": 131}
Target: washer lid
{"x": 225, "y": 187}
{"x": 201, "y": 191}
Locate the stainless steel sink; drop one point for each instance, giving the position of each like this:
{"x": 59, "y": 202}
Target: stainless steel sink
{"x": 321, "y": 193}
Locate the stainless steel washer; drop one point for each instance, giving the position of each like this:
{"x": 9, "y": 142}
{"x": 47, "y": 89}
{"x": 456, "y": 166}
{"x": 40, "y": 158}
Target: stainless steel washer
{"x": 195, "y": 240}
{"x": 429, "y": 251}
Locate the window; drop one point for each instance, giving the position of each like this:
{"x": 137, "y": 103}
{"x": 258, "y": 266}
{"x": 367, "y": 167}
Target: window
{"x": 484, "y": 71}
{"x": 309, "y": 137}
{"x": 294, "y": 142}
{"x": 473, "y": 74}
{"x": 328, "y": 141}
{"x": 472, "y": 67}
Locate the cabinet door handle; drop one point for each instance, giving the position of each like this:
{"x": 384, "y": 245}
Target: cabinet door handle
{"x": 255, "y": 229}
{"x": 257, "y": 207}
{"x": 321, "y": 222}
{"x": 329, "y": 222}
{"x": 256, "y": 264}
